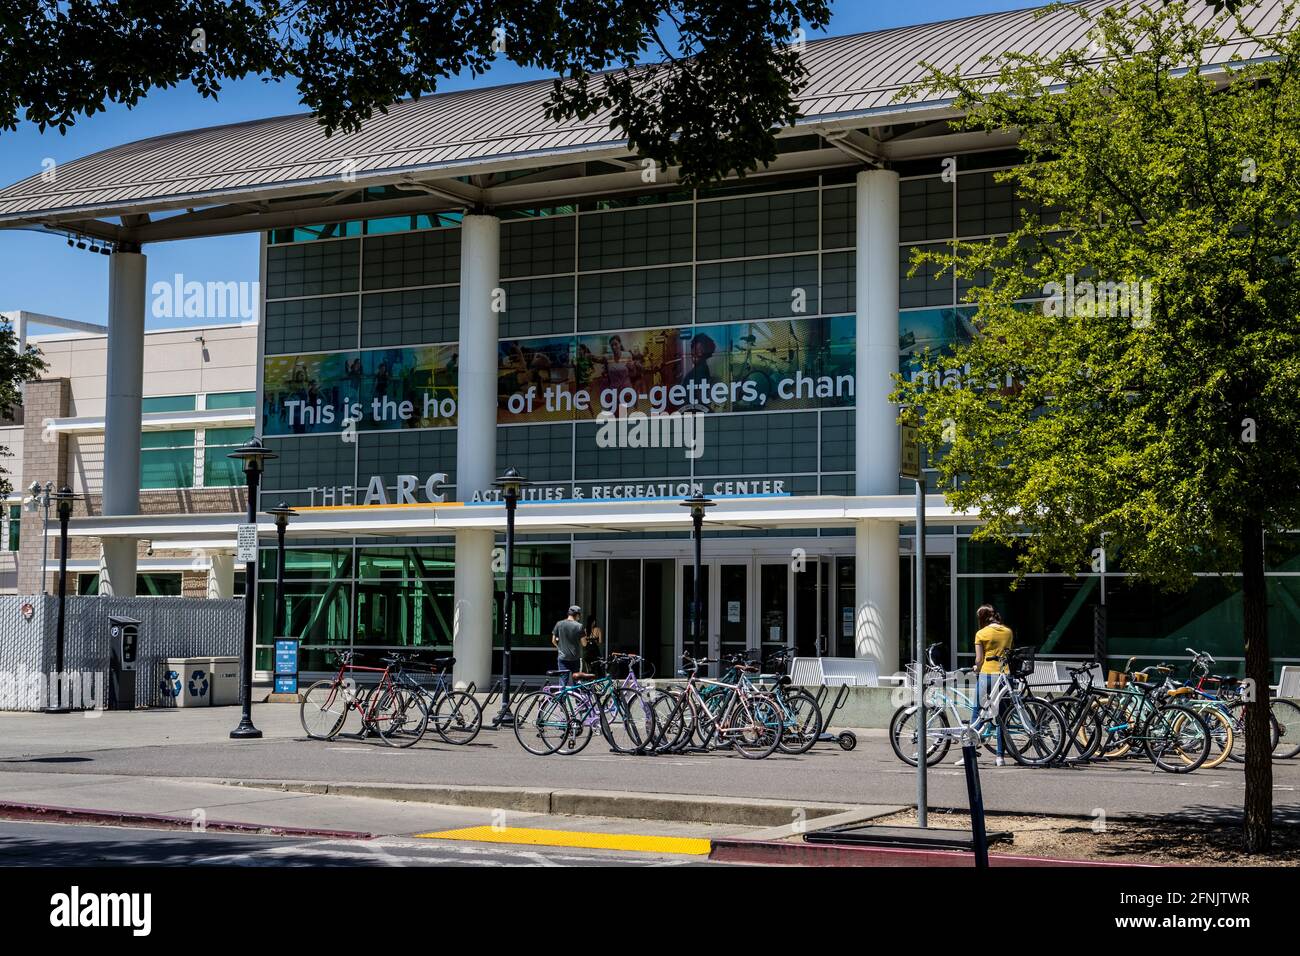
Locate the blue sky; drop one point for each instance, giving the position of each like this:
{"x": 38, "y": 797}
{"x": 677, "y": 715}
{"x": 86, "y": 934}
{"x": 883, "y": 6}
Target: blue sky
{"x": 41, "y": 273}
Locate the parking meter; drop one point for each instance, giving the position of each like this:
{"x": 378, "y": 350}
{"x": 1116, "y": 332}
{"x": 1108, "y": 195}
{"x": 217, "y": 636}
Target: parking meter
{"x": 123, "y": 655}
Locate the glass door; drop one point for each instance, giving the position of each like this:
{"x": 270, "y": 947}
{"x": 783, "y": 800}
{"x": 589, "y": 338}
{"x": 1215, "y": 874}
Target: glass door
{"x": 775, "y": 628}
{"x": 725, "y": 626}
{"x": 731, "y": 610}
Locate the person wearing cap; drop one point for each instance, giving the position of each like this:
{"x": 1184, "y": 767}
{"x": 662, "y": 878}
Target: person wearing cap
{"x": 569, "y": 638}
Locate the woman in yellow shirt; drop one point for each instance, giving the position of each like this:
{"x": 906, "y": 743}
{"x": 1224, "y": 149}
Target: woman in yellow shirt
{"x": 993, "y": 641}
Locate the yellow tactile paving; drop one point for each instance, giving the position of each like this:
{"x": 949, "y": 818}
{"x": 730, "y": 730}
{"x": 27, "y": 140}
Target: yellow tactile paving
{"x": 575, "y": 838}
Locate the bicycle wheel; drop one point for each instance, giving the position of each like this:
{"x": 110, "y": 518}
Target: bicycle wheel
{"x": 1221, "y": 735}
{"x": 756, "y": 731}
{"x": 456, "y": 717}
{"x": 406, "y": 717}
{"x": 627, "y": 721}
{"x": 671, "y": 721}
{"x": 1082, "y": 727}
{"x": 803, "y": 721}
{"x": 1033, "y": 731}
{"x": 1286, "y": 718}
{"x": 324, "y": 708}
{"x": 904, "y": 734}
{"x": 1237, "y": 711}
{"x": 541, "y": 723}
{"x": 1176, "y": 739}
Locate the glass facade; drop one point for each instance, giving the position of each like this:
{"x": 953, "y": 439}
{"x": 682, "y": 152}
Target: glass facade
{"x": 749, "y": 286}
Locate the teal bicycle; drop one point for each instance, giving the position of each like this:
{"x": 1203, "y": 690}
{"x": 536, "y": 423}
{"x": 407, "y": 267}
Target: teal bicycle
{"x": 562, "y": 718}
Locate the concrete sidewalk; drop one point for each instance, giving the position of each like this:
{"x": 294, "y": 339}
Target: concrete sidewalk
{"x": 194, "y": 746}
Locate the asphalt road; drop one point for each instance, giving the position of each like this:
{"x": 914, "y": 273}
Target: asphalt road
{"x": 196, "y": 745}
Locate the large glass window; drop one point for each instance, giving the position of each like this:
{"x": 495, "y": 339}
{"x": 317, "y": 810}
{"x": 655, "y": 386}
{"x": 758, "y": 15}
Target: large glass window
{"x": 12, "y": 539}
{"x": 167, "y": 459}
{"x": 230, "y": 400}
{"x": 219, "y": 470}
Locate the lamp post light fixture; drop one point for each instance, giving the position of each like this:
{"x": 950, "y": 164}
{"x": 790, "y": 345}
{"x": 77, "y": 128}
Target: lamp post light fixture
{"x": 697, "y": 503}
{"x": 254, "y": 455}
{"x": 282, "y": 513}
{"x": 510, "y": 484}
{"x": 64, "y": 499}
{"x": 41, "y": 498}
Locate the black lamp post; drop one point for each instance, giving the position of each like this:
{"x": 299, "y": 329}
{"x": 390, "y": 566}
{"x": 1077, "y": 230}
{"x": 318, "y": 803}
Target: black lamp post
{"x": 253, "y": 454}
{"x": 63, "y": 504}
{"x": 510, "y": 484}
{"x": 282, "y": 513}
{"x": 697, "y": 503}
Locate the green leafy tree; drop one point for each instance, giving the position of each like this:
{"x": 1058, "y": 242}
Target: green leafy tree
{"x": 1152, "y": 400}
{"x": 725, "y": 76}
{"x": 16, "y": 367}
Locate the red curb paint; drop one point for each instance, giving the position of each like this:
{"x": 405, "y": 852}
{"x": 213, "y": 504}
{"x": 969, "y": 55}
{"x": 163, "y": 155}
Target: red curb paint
{"x": 49, "y": 814}
{"x": 812, "y": 854}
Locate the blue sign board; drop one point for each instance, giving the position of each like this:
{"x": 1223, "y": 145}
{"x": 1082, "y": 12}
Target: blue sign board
{"x": 286, "y": 665}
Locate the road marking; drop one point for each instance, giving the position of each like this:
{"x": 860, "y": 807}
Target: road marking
{"x": 632, "y": 842}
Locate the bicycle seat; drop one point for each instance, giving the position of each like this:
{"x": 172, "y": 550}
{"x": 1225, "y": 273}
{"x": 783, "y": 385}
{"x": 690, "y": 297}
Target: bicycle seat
{"x": 579, "y": 675}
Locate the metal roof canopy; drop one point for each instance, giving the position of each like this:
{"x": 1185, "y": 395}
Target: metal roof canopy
{"x": 217, "y": 531}
{"x": 492, "y": 147}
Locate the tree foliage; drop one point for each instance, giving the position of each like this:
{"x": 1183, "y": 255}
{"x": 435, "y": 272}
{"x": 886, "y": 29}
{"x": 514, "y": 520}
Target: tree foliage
{"x": 729, "y": 76}
{"x": 1168, "y": 433}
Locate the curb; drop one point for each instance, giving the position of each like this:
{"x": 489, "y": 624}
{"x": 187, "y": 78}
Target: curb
{"x": 44, "y": 813}
{"x": 676, "y": 807}
{"x": 811, "y": 854}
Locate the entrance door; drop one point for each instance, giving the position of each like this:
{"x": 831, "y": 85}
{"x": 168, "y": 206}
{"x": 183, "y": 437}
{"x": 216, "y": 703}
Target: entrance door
{"x": 724, "y": 607}
{"x": 775, "y": 615}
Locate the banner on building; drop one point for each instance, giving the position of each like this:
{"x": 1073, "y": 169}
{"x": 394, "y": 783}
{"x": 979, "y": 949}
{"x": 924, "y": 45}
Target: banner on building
{"x": 774, "y": 365}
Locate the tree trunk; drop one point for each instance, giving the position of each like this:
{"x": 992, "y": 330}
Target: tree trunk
{"x": 1259, "y": 670}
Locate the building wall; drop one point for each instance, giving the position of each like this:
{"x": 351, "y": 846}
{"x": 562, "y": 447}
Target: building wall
{"x": 176, "y": 364}
{"x": 348, "y": 306}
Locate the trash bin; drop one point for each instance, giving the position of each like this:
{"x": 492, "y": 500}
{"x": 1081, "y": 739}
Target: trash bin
{"x": 186, "y": 682}
{"x": 225, "y": 681}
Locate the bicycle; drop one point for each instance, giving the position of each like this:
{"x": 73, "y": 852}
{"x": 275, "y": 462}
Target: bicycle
{"x": 561, "y": 718}
{"x": 745, "y": 718}
{"x": 1031, "y": 728}
{"x": 454, "y": 715}
{"x": 326, "y": 703}
{"x": 1137, "y": 716}
{"x": 1284, "y": 715}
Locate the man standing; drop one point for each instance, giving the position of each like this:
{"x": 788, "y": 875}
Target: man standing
{"x": 567, "y": 636}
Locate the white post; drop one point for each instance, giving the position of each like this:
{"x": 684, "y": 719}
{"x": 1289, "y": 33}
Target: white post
{"x": 876, "y": 430}
{"x": 476, "y": 445}
{"x": 221, "y": 575}
{"x": 126, "y": 305}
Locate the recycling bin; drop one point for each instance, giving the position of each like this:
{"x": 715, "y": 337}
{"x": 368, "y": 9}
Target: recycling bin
{"x": 186, "y": 682}
{"x": 225, "y": 682}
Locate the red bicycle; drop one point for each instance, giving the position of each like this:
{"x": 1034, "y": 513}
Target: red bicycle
{"x": 326, "y": 703}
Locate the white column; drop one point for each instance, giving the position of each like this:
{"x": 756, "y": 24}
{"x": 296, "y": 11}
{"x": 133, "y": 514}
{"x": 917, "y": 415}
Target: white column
{"x": 126, "y": 304}
{"x": 476, "y": 444}
{"x": 876, "y": 433}
{"x": 221, "y": 575}
{"x": 875, "y": 625}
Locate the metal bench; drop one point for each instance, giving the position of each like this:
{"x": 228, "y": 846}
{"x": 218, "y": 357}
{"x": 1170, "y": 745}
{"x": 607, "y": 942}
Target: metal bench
{"x": 1288, "y": 683}
{"x": 834, "y": 671}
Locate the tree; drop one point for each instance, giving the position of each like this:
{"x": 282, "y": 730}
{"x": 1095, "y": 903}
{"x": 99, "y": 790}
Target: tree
{"x": 16, "y": 367}
{"x": 1153, "y": 398}
{"x": 729, "y": 79}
